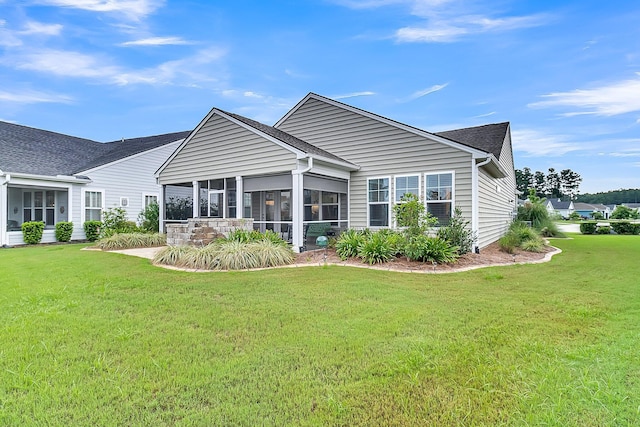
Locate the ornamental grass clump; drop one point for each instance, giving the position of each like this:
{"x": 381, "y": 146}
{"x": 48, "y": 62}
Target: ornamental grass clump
{"x": 172, "y": 255}
{"x": 348, "y": 244}
{"x": 245, "y": 250}
{"x": 376, "y": 249}
{"x": 132, "y": 240}
{"x": 521, "y": 236}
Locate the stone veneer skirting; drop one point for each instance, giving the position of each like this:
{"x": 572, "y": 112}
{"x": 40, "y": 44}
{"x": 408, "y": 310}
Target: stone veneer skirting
{"x": 202, "y": 231}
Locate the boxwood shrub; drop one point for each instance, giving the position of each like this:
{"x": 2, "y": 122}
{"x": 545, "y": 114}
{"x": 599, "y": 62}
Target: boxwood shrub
{"x": 32, "y": 232}
{"x": 92, "y": 230}
{"x": 588, "y": 227}
{"x": 64, "y": 230}
{"x": 604, "y": 229}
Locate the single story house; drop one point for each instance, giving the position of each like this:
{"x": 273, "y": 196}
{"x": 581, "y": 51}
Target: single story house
{"x": 326, "y": 166}
{"x": 51, "y": 177}
{"x": 586, "y": 210}
{"x": 560, "y": 207}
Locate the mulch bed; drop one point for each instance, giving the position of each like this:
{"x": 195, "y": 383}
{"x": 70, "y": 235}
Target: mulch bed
{"x": 488, "y": 256}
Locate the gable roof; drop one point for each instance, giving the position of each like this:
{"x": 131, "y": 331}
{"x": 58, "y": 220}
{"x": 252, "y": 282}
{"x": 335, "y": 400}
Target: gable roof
{"x": 560, "y": 204}
{"x": 478, "y": 140}
{"x": 489, "y": 138}
{"x": 288, "y": 139}
{"x": 40, "y": 152}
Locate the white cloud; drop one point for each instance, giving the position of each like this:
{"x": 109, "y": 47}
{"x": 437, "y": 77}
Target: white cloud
{"x": 609, "y": 100}
{"x": 33, "y": 27}
{"x": 442, "y": 29}
{"x": 534, "y": 143}
{"x": 353, "y": 95}
{"x": 484, "y": 115}
{"x": 425, "y": 92}
{"x": 33, "y": 97}
{"x": 184, "y": 72}
{"x": 157, "y": 41}
{"x": 131, "y": 9}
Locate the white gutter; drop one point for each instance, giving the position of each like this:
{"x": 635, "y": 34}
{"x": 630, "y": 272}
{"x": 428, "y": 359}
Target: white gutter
{"x": 7, "y": 179}
{"x": 305, "y": 170}
{"x": 58, "y": 178}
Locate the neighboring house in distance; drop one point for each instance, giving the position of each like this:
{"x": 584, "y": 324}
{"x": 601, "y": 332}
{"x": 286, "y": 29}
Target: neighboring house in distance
{"x": 51, "y": 177}
{"x": 328, "y": 164}
{"x": 586, "y": 209}
{"x": 559, "y": 207}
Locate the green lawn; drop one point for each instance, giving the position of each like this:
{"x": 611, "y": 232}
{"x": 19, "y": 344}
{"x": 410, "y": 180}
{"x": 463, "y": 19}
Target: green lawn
{"x": 92, "y": 338}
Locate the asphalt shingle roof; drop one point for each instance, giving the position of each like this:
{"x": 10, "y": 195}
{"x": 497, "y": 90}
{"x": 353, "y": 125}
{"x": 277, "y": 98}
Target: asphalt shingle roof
{"x": 34, "y": 151}
{"x": 489, "y": 138}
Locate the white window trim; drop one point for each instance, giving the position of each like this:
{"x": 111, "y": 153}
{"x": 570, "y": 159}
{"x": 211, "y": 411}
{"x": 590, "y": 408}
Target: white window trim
{"x": 144, "y": 199}
{"x": 395, "y": 187}
{"x": 389, "y": 202}
{"x": 453, "y": 189}
{"x": 83, "y": 198}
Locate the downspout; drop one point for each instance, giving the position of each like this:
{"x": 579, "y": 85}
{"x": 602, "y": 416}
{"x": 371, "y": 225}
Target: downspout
{"x": 475, "y": 204}
{"x": 298, "y": 208}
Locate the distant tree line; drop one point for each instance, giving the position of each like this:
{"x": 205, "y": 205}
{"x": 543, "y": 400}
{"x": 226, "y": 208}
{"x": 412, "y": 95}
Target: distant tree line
{"x": 615, "y": 197}
{"x": 556, "y": 185}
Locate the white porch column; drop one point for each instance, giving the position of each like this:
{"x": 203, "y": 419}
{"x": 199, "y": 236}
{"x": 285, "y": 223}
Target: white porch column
{"x": 195, "y": 210}
{"x": 4, "y": 201}
{"x": 239, "y": 197}
{"x": 161, "y": 210}
{"x": 297, "y": 210}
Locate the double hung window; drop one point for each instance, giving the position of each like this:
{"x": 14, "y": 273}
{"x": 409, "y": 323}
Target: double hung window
{"x": 378, "y": 202}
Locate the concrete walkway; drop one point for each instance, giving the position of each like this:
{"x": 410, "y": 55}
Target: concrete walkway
{"x": 569, "y": 228}
{"x": 148, "y": 253}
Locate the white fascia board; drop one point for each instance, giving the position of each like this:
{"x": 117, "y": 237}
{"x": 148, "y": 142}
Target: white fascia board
{"x": 57, "y": 178}
{"x": 474, "y": 151}
{"x": 133, "y": 156}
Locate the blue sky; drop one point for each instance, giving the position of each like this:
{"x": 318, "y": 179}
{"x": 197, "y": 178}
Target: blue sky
{"x": 565, "y": 74}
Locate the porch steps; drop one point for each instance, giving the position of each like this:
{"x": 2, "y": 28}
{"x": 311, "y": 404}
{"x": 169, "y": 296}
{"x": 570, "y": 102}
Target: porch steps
{"x": 202, "y": 231}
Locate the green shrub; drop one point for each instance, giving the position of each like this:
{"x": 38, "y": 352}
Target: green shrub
{"x": 64, "y": 230}
{"x": 430, "y": 249}
{"x": 625, "y": 227}
{"x": 149, "y": 218}
{"x": 92, "y": 230}
{"x": 132, "y": 240}
{"x": 458, "y": 233}
{"x": 575, "y": 216}
{"x": 588, "y": 227}
{"x": 376, "y": 249}
{"x": 32, "y": 232}
{"x": 604, "y": 229}
{"x": 411, "y": 214}
{"x": 348, "y": 244}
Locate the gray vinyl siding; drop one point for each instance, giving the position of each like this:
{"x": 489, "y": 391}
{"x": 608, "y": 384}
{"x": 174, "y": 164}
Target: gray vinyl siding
{"x": 222, "y": 149}
{"x": 131, "y": 177}
{"x": 381, "y": 150}
{"x": 496, "y": 207}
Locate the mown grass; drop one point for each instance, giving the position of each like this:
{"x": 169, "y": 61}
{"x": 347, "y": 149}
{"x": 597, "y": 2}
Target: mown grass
{"x": 92, "y": 338}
